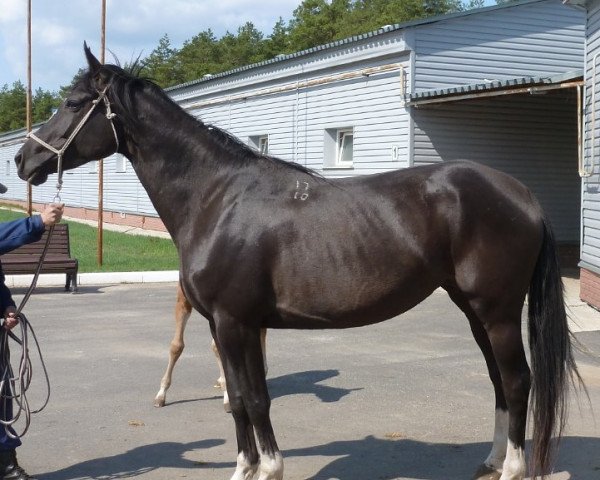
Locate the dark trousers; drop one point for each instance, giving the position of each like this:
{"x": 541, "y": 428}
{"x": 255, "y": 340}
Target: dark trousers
{"x": 6, "y": 404}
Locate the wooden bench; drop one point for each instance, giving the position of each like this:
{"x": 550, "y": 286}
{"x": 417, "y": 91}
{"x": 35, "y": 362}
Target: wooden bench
{"x": 58, "y": 259}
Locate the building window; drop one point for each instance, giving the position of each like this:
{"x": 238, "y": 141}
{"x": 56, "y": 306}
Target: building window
{"x": 260, "y": 143}
{"x": 120, "y": 164}
{"x": 263, "y": 144}
{"x": 338, "y": 148}
{"x": 345, "y": 147}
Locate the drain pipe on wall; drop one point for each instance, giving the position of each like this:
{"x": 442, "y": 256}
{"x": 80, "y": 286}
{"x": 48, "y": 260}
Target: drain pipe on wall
{"x": 583, "y": 172}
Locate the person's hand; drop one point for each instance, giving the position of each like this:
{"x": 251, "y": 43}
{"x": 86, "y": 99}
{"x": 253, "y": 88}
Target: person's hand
{"x": 52, "y": 214}
{"x": 10, "y": 319}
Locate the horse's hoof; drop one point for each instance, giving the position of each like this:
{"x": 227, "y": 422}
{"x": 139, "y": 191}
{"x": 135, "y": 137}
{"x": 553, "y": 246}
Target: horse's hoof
{"x": 159, "y": 402}
{"x": 486, "y": 473}
{"x": 220, "y": 383}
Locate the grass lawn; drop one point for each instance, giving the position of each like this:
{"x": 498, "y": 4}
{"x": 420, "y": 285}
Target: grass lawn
{"x": 122, "y": 252}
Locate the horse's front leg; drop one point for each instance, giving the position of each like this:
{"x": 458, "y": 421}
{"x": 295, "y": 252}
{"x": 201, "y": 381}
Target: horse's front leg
{"x": 183, "y": 310}
{"x": 221, "y": 383}
{"x": 241, "y": 353}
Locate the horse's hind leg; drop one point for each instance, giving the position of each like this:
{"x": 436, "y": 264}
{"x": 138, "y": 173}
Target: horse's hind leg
{"x": 183, "y": 310}
{"x": 491, "y": 469}
{"x": 498, "y": 334}
{"x": 507, "y": 345}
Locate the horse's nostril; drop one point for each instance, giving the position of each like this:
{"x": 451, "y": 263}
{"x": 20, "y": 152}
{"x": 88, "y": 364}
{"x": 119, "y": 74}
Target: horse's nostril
{"x": 18, "y": 158}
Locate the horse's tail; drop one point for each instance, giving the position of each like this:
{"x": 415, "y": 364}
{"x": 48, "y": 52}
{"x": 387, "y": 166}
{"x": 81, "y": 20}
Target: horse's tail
{"x": 552, "y": 363}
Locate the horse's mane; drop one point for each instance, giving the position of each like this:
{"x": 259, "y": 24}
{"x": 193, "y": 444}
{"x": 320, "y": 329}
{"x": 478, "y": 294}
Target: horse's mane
{"x": 124, "y": 83}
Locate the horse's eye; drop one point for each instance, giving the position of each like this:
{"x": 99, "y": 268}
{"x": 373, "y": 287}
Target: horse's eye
{"x": 73, "y": 104}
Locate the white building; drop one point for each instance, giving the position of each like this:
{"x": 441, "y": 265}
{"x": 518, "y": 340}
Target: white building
{"x": 497, "y": 85}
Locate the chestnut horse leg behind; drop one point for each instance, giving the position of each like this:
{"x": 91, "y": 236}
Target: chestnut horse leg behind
{"x": 183, "y": 310}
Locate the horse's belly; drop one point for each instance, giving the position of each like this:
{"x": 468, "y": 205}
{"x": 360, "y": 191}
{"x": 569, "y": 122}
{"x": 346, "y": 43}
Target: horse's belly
{"x": 351, "y": 304}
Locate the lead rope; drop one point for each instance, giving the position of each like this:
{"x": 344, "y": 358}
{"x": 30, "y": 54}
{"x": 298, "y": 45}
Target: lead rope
{"x": 15, "y": 387}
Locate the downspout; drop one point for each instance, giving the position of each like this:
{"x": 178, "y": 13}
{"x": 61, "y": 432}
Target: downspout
{"x": 583, "y": 172}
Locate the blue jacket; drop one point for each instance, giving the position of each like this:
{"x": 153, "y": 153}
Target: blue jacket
{"x": 13, "y": 235}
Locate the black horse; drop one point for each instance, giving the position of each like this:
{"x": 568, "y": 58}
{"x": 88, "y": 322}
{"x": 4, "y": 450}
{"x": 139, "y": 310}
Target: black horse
{"x": 267, "y": 243}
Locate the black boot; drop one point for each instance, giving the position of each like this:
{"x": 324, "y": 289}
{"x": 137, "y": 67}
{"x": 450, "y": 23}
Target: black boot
{"x": 9, "y": 468}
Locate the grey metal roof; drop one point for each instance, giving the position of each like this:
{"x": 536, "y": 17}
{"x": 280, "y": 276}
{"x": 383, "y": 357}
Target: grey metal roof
{"x": 491, "y": 85}
{"x": 355, "y": 38}
{"x": 577, "y": 3}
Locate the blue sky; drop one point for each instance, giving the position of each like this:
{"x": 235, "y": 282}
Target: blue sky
{"x": 132, "y": 27}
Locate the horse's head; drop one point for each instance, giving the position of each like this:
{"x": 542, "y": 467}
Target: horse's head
{"x": 80, "y": 131}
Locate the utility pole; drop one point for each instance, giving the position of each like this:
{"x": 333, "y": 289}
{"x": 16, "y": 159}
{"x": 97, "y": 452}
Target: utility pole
{"x": 101, "y": 161}
{"x": 29, "y": 106}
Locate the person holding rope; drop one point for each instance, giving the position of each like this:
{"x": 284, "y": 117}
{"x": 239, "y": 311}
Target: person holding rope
{"x": 14, "y": 234}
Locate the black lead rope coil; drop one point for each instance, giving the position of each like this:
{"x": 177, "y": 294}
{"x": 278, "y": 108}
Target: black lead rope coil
{"x": 15, "y": 387}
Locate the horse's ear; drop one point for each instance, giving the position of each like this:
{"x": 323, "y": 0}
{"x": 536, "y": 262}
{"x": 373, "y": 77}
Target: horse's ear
{"x": 93, "y": 63}
{"x": 96, "y": 71}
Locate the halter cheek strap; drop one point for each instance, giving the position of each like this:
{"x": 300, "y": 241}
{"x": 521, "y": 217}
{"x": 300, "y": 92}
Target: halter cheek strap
{"x": 59, "y": 153}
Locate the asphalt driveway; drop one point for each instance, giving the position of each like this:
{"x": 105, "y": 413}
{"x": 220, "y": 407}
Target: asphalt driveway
{"x": 405, "y": 399}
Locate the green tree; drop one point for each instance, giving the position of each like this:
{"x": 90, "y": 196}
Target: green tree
{"x": 245, "y": 48}
{"x": 278, "y": 42}
{"x": 162, "y": 65}
{"x": 311, "y": 25}
{"x": 316, "y": 22}
{"x": 200, "y": 56}
{"x": 12, "y": 106}
{"x": 44, "y": 103}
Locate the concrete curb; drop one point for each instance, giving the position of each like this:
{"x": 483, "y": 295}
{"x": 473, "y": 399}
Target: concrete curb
{"x": 98, "y": 278}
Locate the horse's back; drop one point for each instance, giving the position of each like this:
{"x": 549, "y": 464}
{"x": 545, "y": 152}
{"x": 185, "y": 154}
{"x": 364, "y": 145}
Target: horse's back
{"x": 368, "y": 248}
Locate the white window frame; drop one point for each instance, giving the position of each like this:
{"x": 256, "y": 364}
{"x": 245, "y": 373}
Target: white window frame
{"x": 341, "y": 135}
{"x": 263, "y": 144}
{"x": 333, "y": 141}
{"x": 120, "y": 163}
{"x": 258, "y": 142}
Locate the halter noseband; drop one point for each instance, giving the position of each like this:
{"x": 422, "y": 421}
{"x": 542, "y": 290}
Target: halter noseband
{"x": 109, "y": 115}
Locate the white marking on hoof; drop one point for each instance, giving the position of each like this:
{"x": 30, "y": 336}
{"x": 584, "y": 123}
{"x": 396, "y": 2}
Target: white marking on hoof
{"x": 220, "y": 384}
{"x": 271, "y": 467}
{"x": 514, "y": 465}
{"x": 495, "y": 459}
{"x": 160, "y": 399}
{"x": 244, "y": 470}
{"x": 226, "y": 405}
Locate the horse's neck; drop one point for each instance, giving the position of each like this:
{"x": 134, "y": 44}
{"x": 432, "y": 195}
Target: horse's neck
{"x": 175, "y": 169}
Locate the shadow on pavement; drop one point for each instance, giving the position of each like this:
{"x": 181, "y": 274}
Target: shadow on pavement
{"x": 136, "y": 462}
{"x": 367, "y": 459}
{"x": 307, "y": 383}
{"x": 382, "y": 459}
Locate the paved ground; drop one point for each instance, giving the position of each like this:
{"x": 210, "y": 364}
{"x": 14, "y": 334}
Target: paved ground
{"x": 406, "y": 399}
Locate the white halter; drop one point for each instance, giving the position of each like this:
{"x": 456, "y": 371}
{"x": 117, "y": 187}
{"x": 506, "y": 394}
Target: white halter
{"x": 109, "y": 115}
